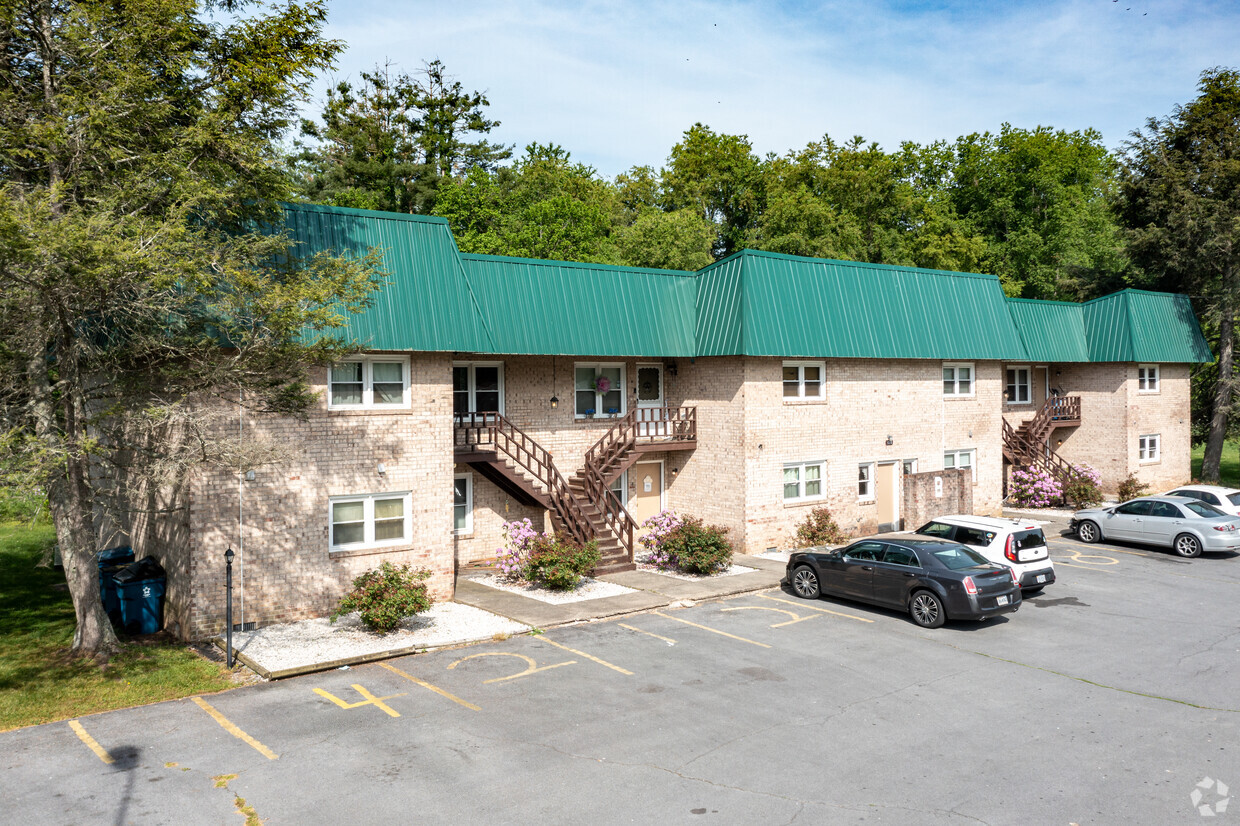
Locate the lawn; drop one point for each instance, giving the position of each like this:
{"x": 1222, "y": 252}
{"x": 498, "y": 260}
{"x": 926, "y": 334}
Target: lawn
{"x": 1229, "y": 465}
{"x": 39, "y": 683}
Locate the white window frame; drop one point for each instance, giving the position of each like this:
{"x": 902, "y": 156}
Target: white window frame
{"x": 800, "y": 368}
{"x": 1028, "y": 383}
{"x": 624, "y": 396}
{"x": 472, "y": 382}
{"x": 1149, "y": 448}
{"x": 368, "y": 395}
{"x": 620, "y": 486}
{"x": 869, "y": 493}
{"x": 908, "y": 467}
{"x": 1148, "y": 374}
{"x": 955, "y": 367}
{"x": 971, "y": 452}
{"x": 800, "y": 467}
{"x": 469, "y": 504}
{"x": 368, "y": 520}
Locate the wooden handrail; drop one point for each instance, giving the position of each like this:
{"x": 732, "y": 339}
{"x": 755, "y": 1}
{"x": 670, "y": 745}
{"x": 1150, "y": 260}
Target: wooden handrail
{"x": 1035, "y": 453}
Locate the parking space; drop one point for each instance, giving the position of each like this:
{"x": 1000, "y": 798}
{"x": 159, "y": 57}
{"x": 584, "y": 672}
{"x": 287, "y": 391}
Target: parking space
{"x": 1106, "y": 698}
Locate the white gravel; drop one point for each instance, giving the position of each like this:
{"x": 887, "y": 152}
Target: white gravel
{"x": 731, "y": 571}
{"x": 587, "y": 589}
{"x": 315, "y": 641}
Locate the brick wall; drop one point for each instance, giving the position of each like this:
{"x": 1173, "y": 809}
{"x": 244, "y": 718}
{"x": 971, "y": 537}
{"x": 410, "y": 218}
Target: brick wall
{"x": 936, "y": 493}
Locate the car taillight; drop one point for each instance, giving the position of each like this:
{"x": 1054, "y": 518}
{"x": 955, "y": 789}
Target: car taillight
{"x": 969, "y": 585}
{"x": 1015, "y": 579}
{"x": 1008, "y": 548}
{"x": 1230, "y": 526}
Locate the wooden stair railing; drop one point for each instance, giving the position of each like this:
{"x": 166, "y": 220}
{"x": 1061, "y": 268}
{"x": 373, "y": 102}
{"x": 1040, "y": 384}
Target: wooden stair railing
{"x": 1056, "y": 410}
{"x": 484, "y": 429}
{"x": 1020, "y": 452}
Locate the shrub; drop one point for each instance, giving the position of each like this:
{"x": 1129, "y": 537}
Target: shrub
{"x": 1084, "y": 487}
{"x": 1033, "y": 487}
{"x": 514, "y": 556}
{"x": 698, "y": 548}
{"x": 659, "y": 527}
{"x": 1131, "y": 488}
{"x": 819, "y": 529}
{"x": 386, "y": 595}
{"x": 559, "y": 564}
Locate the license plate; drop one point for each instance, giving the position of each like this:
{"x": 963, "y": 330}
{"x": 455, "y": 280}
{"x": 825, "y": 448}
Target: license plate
{"x": 1041, "y": 579}
{"x": 1001, "y": 600}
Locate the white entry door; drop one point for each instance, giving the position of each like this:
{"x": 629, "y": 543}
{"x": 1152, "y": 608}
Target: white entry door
{"x": 651, "y": 415}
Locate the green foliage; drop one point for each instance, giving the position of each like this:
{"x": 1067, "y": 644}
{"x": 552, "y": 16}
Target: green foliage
{"x": 819, "y": 529}
{"x": 699, "y": 548}
{"x": 1082, "y": 489}
{"x": 559, "y": 564}
{"x": 385, "y": 596}
{"x": 1132, "y": 487}
{"x": 718, "y": 177}
{"x": 387, "y": 142}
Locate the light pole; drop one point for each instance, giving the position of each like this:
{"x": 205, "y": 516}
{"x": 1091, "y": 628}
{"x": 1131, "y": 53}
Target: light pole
{"x": 228, "y": 648}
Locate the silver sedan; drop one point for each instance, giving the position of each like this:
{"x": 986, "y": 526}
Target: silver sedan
{"x": 1187, "y": 525}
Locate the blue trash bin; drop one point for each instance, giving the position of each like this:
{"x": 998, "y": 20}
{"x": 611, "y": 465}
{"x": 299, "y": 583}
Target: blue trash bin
{"x": 110, "y": 562}
{"x": 140, "y": 588}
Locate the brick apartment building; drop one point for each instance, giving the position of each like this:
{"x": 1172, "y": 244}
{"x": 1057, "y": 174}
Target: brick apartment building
{"x": 589, "y": 397}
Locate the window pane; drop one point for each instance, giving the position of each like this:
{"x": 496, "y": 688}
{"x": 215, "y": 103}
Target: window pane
{"x": 585, "y": 403}
{"x": 949, "y": 375}
{"x": 486, "y": 378}
{"x": 346, "y": 381}
{"x": 393, "y": 393}
{"x": 458, "y": 518}
{"x": 350, "y": 371}
{"x": 387, "y": 529}
{"x": 611, "y": 402}
{"x": 966, "y": 458}
{"x": 348, "y": 534}
{"x": 792, "y": 482}
{"x": 460, "y": 491}
{"x": 386, "y": 371}
{"x": 346, "y": 394}
{"x": 964, "y": 374}
{"x": 584, "y": 378}
{"x": 813, "y": 480}
{"x": 348, "y": 511}
{"x": 487, "y": 401}
{"x": 648, "y": 389}
{"x": 792, "y": 382}
{"x": 389, "y": 508}
{"x": 949, "y": 460}
{"x": 791, "y": 374}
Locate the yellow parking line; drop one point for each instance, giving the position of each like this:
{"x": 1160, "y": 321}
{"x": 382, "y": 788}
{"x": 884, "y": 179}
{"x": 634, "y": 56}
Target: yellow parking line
{"x": 433, "y": 688}
{"x": 232, "y": 729}
{"x": 795, "y": 619}
{"x": 712, "y": 630}
{"x": 91, "y": 742}
{"x": 587, "y": 656}
{"x": 814, "y": 608}
{"x": 667, "y": 640}
{"x": 1085, "y": 567}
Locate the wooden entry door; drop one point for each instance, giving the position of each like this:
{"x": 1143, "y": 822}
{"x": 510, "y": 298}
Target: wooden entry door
{"x": 651, "y": 419}
{"x": 645, "y": 491}
{"x": 887, "y": 496}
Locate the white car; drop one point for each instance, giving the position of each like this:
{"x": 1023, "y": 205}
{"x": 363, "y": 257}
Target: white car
{"x": 1225, "y": 499}
{"x": 1018, "y": 544}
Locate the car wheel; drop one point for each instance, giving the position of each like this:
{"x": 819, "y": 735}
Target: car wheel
{"x": 805, "y": 583}
{"x": 1089, "y": 532}
{"x": 1187, "y": 545}
{"x": 927, "y": 610}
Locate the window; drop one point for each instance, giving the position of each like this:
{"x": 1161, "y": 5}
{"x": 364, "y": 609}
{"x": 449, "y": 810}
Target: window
{"x": 598, "y": 390}
{"x": 957, "y": 459}
{"x": 463, "y": 503}
{"x": 477, "y": 387}
{"x": 1017, "y": 387}
{"x": 1134, "y": 508}
{"x": 866, "y": 551}
{"x": 938, "y": 530}
{"x": 805, "y": 380}
{"x": 803, "y": 481}
{"x": 1147, "y": 378}
{"x": 1147, "y": 448}
{"x": 620, "y": 487}
{"x": 373, "y": 382}
{"x": 865, "y": 481}
{"x": 957, "y": 379}
{"x": 370, "y": 520}
{"x": 909, "y": 466}
{"x": 899, "y": 556}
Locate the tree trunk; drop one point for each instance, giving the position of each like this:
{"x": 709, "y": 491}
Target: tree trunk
{"x": 1222, "y": 398}
{"x": 69, "y": 500}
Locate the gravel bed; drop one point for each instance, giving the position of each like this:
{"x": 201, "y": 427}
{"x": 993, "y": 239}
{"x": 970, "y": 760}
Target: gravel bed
{"x": 732, "y": 571}
{"x": 313, "y": 641}
{"x": 588, "y": 589}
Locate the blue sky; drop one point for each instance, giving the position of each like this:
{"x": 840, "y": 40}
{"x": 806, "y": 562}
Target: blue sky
{"x": 617, "y": 83}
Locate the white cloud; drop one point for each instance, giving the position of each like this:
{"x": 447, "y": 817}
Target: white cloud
{"x": 617, "y": 83}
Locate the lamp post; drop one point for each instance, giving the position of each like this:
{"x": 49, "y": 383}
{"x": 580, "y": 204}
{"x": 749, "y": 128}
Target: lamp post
{"x": 228, "y": 648}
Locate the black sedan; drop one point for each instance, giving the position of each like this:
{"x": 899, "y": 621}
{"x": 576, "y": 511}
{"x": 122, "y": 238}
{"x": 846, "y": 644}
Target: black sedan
{"x": 932, "y": 579}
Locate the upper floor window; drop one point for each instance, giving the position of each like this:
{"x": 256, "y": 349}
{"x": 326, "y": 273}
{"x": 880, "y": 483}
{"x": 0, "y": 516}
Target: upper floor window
{"x": 369, "y": 382}
{"x": 1148, "y": 448}
{"x": 1147, "y": 378}
{"x": 368, "y": 520}
{"x": 1017, "y": 387}
{"x": 598, "y": 390}
{"x": 957, "y": 379}
{"x": 477, "y": 387}
{"x": 805, "y": 380}
{"x": 803, "y": 481}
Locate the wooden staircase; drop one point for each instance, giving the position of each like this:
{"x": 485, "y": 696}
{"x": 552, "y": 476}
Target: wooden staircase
{"x": 1026, "y": 445}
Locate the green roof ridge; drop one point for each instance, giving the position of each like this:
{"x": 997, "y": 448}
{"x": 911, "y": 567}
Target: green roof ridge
{"x": 366, "y": 213}
{"x": 553, "y": 262}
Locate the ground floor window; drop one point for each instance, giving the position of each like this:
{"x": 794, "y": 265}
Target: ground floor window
{"x": 463, "y": 503}
{"x": 368, "y": 520}
{"x": 620, "y": 487}
{"x": 909, "y": 466}
{"x": 1148, "y": 448}
{"x": 803, "y": 481}
{"x": 865, "y": 481}
{"x": 960, "y": 459}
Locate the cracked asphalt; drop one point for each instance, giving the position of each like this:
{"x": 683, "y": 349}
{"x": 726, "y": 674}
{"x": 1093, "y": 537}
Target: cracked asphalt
{"x": 1106, "y": 699}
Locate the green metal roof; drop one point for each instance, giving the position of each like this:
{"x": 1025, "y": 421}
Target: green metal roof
{"x": 751, "y": 303}
{"x": 767, "y": 304}
{"x": 426, "y": 303}
{"x": 570, "y": 308}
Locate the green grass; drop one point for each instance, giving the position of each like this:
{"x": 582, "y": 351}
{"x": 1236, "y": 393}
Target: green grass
{"x": 39, "y": 683}
{"x": 1229, "y": 464}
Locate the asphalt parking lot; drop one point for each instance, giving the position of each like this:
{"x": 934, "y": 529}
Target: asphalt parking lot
{"x": 1106, "y": 699}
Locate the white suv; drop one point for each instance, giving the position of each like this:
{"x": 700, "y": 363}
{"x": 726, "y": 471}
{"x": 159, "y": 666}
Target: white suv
{"x": 1018, "y": 544}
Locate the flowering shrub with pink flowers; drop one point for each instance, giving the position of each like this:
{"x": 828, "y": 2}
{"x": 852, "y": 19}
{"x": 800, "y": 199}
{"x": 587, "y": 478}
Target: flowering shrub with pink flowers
{"x": 554, "y": 562}
{"x": 1083, "y": 488}
{"x": 1034, "y": 487}
{"x": 659, "y": 527}
{"x": 511, "y": 559}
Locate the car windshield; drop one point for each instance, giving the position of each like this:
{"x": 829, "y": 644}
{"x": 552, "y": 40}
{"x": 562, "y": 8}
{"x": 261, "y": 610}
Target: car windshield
{"x": 957, "y": 556}
{"x": 1204, "y": 509}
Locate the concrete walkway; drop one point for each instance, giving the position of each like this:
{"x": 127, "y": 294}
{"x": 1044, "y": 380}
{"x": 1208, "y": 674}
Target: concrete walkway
{"x": 652, "y": 590}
